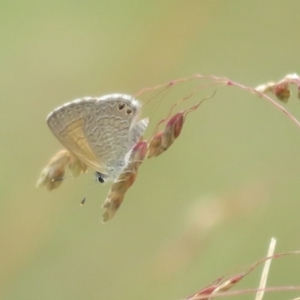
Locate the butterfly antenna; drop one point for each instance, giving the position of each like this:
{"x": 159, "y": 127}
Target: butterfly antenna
{"x": 99, "y": 177}
{"x": 82, "y": 202}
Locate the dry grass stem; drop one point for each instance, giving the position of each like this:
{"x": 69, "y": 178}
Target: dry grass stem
{"x": 161, "y": 141}
{"x": 266, "y": 269}
{"x": 220, "y": 287}
{"x": 280, "y": 89}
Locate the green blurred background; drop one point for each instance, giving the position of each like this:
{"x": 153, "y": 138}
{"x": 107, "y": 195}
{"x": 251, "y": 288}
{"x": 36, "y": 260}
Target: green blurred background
{"x": 236, "y": 146}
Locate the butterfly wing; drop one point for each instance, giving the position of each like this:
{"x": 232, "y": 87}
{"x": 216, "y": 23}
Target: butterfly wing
{"x": 137, "y": 130}
{"x": 67, "y": 123}
{"x": 108, "y": 127}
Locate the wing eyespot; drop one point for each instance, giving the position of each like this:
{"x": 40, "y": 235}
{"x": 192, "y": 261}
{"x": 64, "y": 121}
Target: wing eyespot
{"x": 128, "y": 111}
{"x": 121, "y": 106}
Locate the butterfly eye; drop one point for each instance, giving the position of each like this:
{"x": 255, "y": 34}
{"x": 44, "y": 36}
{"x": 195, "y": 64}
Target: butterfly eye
{"x": 128, "y": 111}
{"x": 121, "y": 106}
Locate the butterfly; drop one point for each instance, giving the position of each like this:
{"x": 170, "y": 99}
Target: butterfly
{"x": 100, "y": 131}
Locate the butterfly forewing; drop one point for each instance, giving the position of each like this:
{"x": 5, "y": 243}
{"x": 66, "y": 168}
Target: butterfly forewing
{"x": 67, "y": 123}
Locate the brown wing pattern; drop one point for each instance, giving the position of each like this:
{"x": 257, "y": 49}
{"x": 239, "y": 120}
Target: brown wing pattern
{"x": 67, "y": 124}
